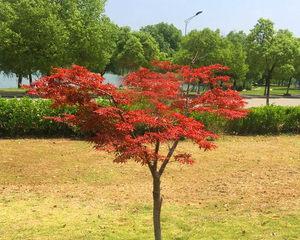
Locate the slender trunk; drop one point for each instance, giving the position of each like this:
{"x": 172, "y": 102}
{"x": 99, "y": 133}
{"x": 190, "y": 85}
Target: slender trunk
{"x": 268, "y": 83}
{"x": 265, "y": 80}
{"x": 157, "y": 202}
{"x": 157, "y": 199}
{"x": 289, "y": 86}
{"x": 266, "y": 87}
{"x": 20, "y": 81}
{"x": 30, "y": 79}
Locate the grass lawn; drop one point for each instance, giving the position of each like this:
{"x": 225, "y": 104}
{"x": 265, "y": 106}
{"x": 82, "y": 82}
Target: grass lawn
{"x": 13, "y": 90}
{"x": 248, "y": 188}
{"x": 274, "y": 91}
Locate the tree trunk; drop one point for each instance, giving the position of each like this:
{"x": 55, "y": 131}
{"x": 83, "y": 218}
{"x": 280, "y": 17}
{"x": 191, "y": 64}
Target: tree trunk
{"x": 289, "y": 86}
{"x": 157, "y": 199}
{"x": 20, "y": 81}
{"x": 264, "y": 80}
{"x": 268, "y": 86}
{"x": 157, "y": 202}
{"x": 268, "y": 82}
{"x": 30, "y": 79}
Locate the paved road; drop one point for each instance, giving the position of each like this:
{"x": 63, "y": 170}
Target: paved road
{"x": 256, "y": 102}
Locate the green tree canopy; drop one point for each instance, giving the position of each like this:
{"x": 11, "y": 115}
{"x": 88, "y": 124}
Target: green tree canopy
{"x": 285, "y": 72}
{"x": 33, "y": 38}
{"x": 36, "y": 35}
{"x": 92, "y": 36}
{"x": 269, "y": 49}
{"x": 166, "y": 35}
{"x": 134, "y": 50}
{"x": 150, "y": 47}
{"x": 297, "y": 63}
{"x": 236, "y": 58}
{"x": 206, "y": 47}
{"x": 200, "y": 48}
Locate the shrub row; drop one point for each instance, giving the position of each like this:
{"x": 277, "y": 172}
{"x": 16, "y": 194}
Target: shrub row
{"x": 24, "y": 117}
{"x": 267, "y": 120}
{"x": 260, "y": 120}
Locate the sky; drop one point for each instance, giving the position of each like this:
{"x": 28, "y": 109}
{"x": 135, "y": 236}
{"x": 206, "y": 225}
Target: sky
{"x": 226, "y": 15}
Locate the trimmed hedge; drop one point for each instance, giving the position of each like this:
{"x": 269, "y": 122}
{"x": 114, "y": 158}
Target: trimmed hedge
{"x": 24, "y": 117}
{"x": 267, "y": 120}
{"x": 260, "y": 120}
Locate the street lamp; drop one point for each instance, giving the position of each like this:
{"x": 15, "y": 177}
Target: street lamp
{"x": 189, "y": 19}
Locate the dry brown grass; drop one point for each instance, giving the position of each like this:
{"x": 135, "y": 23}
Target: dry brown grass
{"x": 259, "y": 170}
{"x": 250, "y": 175}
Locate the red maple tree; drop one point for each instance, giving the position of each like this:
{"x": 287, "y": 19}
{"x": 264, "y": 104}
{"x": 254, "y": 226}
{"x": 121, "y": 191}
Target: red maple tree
{"x": 154, "y": 108}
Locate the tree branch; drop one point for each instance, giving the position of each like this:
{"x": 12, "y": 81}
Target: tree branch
{"x": 157, "y": 146}
{"x": 151, "y": 168}
{"x": 170, "y": 154}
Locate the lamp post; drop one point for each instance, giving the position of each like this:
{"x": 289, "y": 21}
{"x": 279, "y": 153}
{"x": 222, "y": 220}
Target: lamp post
{"x": 189, "y": 19}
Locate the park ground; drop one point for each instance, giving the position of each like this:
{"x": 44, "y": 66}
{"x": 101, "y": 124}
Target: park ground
{"x": 278, "y": 101}
{"x": 248, "y": 188}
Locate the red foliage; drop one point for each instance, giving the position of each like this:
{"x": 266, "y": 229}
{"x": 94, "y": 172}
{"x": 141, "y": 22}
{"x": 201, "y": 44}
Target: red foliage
{"x": 152, "y": 109}
{"x": 165, "y": 65}
{"x": 205, "y": 75}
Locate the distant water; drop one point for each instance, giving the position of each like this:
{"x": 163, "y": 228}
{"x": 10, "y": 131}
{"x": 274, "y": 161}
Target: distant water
{"x": 113, "y": 79}
{"x": 10, "y": 81}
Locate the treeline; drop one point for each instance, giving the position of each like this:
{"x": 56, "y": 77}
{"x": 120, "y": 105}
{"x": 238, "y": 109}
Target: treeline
{"x": 36, "y": 35}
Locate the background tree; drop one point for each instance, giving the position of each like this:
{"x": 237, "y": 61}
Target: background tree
{"x": 129, "y": 53}
{"x": 7, "y": 16}
{"x": 33, "y": 38}
{"x": 166, "y": 35}
{"x": 237, "y": 60}
{"x": 286, "y": 73}
{"x": 268, "y": 50}
{"x": 134, "y": 50}
{"x": 257, "y": 42}
{"x": 150, "y": 112}
{"x": 206, "y": 47}
{"x": 150, "y": 47}
{"x": 297, "y": 66}
{"x": 92, "y": 36}
{"x": 201, "y": 48}
{"x": 37, "y": 35}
